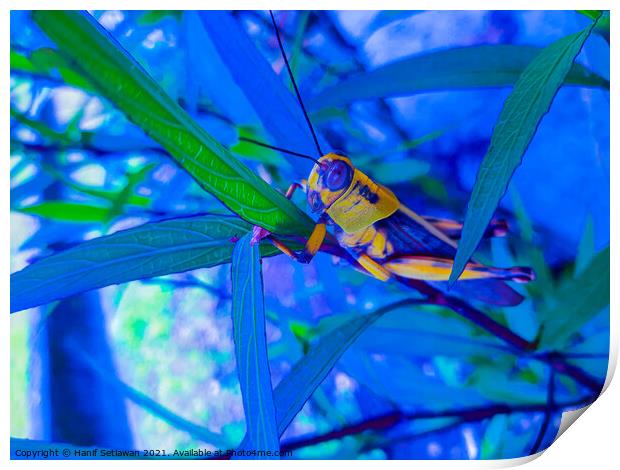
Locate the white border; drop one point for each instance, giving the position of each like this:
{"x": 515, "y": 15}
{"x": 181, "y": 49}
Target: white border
{"x": 593, "y": 442}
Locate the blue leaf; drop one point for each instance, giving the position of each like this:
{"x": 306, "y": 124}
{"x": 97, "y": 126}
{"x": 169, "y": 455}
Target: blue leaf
{"x": 209, "y": 75}
{"x": 150, "y": 250}
{"x": 248, "y": 315}
{"x": 307, "y": 374}
{"x": 277, "y": 108}
{"x": 523, "y": 110}
{"x": 423, "y": 335}
{"x": 459, "y": 68}
{"x": 408, "y": 385}
{"x": 578, "y": 301}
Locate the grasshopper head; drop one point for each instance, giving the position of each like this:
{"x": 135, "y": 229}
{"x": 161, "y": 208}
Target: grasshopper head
{"x": 329, "y": 180}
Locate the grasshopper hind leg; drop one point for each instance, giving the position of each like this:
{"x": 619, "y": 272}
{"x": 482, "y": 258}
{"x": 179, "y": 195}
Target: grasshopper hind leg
{"x": 428, "y": 268}
{"x": 452, "y": 228}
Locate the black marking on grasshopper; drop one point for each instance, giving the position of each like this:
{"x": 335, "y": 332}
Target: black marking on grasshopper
{"x": 367, "y": 194}
{"x": 352, "y": 206}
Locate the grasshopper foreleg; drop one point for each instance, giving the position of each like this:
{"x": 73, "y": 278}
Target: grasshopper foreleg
{"x": 314, "y": 241}
{"x": 293, "y": 187}
{"x": 312, "y": 244}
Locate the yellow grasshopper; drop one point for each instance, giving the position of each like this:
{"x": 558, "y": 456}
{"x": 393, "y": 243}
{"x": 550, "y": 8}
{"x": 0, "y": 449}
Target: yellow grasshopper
{"x": 387, "y": 238}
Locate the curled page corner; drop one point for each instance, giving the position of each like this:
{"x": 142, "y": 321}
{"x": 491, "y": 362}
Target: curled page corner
{"x": 568, "y": 418}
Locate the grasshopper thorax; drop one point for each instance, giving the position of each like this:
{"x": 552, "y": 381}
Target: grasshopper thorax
{"x": 351, "y": 199}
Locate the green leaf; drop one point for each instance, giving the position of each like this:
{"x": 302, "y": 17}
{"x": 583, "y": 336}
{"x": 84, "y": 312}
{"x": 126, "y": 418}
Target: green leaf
{"x": 103, "y": 61}
{"x": 155, "y": 16}
{"x": 44, "y": 130}
{"x": 592, "y": 14}
{"x": 88, "y": 213}
{"x": 21, "y": 62}
{"x": 523, "y": 110}
{"x": 68, "y": 211}
{"x": 578, "y": 300}
{"x": 125, "y": 195}
{"x": 150, "y": 250}
{"x": 46, "y": 62}
{"x": 460, "y": 68}
{"x": 248, "y": 315}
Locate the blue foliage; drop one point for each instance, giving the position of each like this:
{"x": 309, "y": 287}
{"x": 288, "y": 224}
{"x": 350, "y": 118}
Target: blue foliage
{"x": 316, "y": 359}
{"x": 248, "y": 315}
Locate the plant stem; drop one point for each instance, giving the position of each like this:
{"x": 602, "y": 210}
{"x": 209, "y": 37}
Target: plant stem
{"x": 556, "y": 360}
{"x": 548, "y": 413}
{"x": 389, "y": 420}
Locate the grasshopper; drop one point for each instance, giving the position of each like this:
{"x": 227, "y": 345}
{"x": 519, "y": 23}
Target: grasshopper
{"x": 386, "y": 238}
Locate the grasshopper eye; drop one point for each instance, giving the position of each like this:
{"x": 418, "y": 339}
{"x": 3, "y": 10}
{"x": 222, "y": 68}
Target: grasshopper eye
{"x": 338, "y": 176}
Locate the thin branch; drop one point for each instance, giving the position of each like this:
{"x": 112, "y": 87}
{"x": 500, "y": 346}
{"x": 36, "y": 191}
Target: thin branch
{"x": 548, "y": 413}
{"x": 390, "y": 420}
{"x": 80, "y": 147}
{"x": 556, "y": 360}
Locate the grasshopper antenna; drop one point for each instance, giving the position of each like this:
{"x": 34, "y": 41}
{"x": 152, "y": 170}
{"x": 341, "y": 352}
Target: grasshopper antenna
{"x": 290, "y": 73}
{"x": 279, "y": 149}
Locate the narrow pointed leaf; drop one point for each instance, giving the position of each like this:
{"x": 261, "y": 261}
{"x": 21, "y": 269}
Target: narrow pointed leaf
{"x": 602, "y": 25}
{"x": 68, "y": 211}
{"x": 579, "y": 300}
{"x": 308, "y": 373}
{"x": 150, "y": 250}
{"x": 277, "y": 107}
{"x": 47, "y": 62}
{"x": 461, "y": 68}
{"x": 248, "y": 314}
{"x": 119, "y": 77}
{"x": 592, "y": 14}
{"x": 523, "y": 110}
{"x": 585, "y": 251}
{"x": 424, "y": 334}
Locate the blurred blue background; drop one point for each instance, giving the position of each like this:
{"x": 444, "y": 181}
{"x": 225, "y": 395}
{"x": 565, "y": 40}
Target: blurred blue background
{"x": 93, "y": 369}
